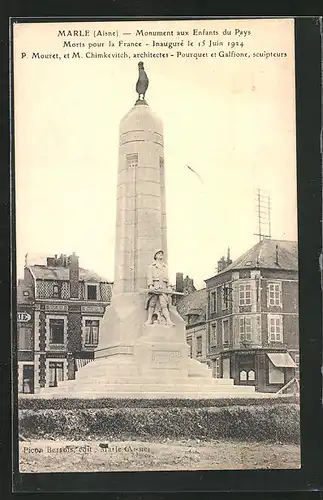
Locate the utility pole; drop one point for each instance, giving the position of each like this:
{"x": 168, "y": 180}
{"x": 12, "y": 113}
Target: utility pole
{"x": 263, "y": 215}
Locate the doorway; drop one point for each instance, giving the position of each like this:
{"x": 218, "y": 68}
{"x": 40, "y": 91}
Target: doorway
{"x": 226, "y": 368}
{"x": 28, "y": 379}
{"x": 246, "y": 370}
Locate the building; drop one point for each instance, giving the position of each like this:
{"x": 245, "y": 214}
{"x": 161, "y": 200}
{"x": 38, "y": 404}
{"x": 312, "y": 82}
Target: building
{"x": 25, "y": 337}
{"x": 59, "y": 309}
{"x": 184, "y": 285}
{"x": 245, "y": 322}
{"x": 192, "y": 307}
{"x": 252, "y": 316}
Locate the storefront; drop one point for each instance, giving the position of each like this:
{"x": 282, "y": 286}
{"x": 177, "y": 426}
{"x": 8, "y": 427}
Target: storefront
{"x": 25, "y": 344}
{"x": 267, "y": 371}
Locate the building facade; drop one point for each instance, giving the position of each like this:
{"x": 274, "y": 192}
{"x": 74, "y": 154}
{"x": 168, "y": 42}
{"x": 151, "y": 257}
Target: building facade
{"x": 247, "y": 317}
{"x": 59, "y": 310}
{"x": 252, "y": 317}
{"x": 192, "y": 307}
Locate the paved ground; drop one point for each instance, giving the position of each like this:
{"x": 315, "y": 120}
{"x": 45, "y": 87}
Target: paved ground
{"x": 95, "y": 456}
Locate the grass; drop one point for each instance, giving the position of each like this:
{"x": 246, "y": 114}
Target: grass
{"x": 241, "y": 423}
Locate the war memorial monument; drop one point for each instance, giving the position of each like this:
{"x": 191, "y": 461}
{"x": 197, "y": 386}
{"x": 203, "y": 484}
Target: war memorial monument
{"x": 142, "y": 351}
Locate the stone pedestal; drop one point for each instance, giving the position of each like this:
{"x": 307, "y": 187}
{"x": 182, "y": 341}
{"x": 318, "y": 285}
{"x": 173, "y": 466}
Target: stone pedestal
{"x": 162, "y": 353}
{"x": 144, "y": 361}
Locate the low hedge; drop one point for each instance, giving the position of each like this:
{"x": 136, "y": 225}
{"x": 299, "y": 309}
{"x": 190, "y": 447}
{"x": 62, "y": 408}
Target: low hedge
{"x": 37, "y": 403}
{"x": 275, "y": 423}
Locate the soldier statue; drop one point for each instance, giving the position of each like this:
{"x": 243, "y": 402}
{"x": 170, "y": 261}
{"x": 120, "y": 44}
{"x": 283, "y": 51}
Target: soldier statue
{"x": 160, "y": 291}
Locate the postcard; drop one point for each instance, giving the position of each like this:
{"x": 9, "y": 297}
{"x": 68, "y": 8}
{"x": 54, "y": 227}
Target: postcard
{"x": 157, "y": 245}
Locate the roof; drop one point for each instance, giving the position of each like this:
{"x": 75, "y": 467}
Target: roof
{"x": 263, "y": 255}
{"x": 193, "y": 303}
{"x": 62, "y": 274}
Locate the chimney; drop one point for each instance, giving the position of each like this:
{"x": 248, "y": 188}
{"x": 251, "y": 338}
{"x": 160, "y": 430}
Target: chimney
{"x": 276, "y": 256}
{"x": 51, "y": 261}
{"x": 179, "y": 282}
{"x": 74, "y": 274}
{"x": 229, "y": 261}
{"x": 189, "y": 285}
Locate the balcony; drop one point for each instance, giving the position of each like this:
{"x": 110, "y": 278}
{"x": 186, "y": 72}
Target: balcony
{"x": 215, "y": 349}
{"x": 276, "y": 345}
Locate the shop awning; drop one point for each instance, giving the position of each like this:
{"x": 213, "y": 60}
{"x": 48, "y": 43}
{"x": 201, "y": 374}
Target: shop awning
{"x": 281, "y": 359}
{"x": 82, "y": 362}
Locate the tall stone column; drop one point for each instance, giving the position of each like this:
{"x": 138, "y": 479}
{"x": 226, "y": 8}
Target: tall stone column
{"x": 141, "y": 227}
{"x": 141, "y": 212}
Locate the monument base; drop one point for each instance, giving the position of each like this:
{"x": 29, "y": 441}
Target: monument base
{"x": 158, "y": 366}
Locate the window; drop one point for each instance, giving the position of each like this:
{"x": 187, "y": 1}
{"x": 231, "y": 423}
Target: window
{"x": 192, "y": 318}
{"x": 274, "y": 294}
{"x": 225, "y": 330}
{"x": 55, "y": 291}
{"x": 245, "y": 328}
{"x": 56, "y": 331}
{"x": 247, "y": 376}
{"x": 56, "y": 373}
{"x": 245, "y": 294}
{"x": 189, "y": 342}
{"x": 92, "y": 292}
{"x": 275, "y": 330}
{"x": 217, "y": 368}
{"x": 199, "y": 346}
{"x": 91, "y": 332}
{"x": 225, "y": 292}
{"x": 26, "y": 293}
{"x": 213, "y": 305}
{"x": 28, "y": 379}
{"x": 213, "y": 334}
{"x": 276, "y": 375}
{"x": 25, "y": 339}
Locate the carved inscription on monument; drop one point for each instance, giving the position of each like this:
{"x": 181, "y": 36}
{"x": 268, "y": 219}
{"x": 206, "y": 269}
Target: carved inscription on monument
{"x": 165, "y": 359}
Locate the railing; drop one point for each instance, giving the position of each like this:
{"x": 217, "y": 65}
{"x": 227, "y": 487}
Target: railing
{"x": 289, "y": 384}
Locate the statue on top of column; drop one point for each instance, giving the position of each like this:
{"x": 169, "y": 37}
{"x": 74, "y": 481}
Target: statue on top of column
{"x": 142, "y": 83}
{"x": 160, "y": 292}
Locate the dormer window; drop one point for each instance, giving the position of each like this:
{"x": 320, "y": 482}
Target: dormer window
{"x": 192, "y": 318}
{"x": 56, "y": 291}
{"x": 92, "y": 292}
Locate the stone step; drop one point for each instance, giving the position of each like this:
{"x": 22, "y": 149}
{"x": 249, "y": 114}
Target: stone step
{"x": 155, "y": 395}
{"x": 174, "y": 382}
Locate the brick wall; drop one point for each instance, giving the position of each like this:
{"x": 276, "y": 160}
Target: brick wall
{"x": 291, "y": 330}
{"x": 290, "y": 296}
{"x": 74, "y": 329}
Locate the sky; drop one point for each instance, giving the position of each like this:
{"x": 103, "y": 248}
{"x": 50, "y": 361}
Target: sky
{"x": 231, "y": 119}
